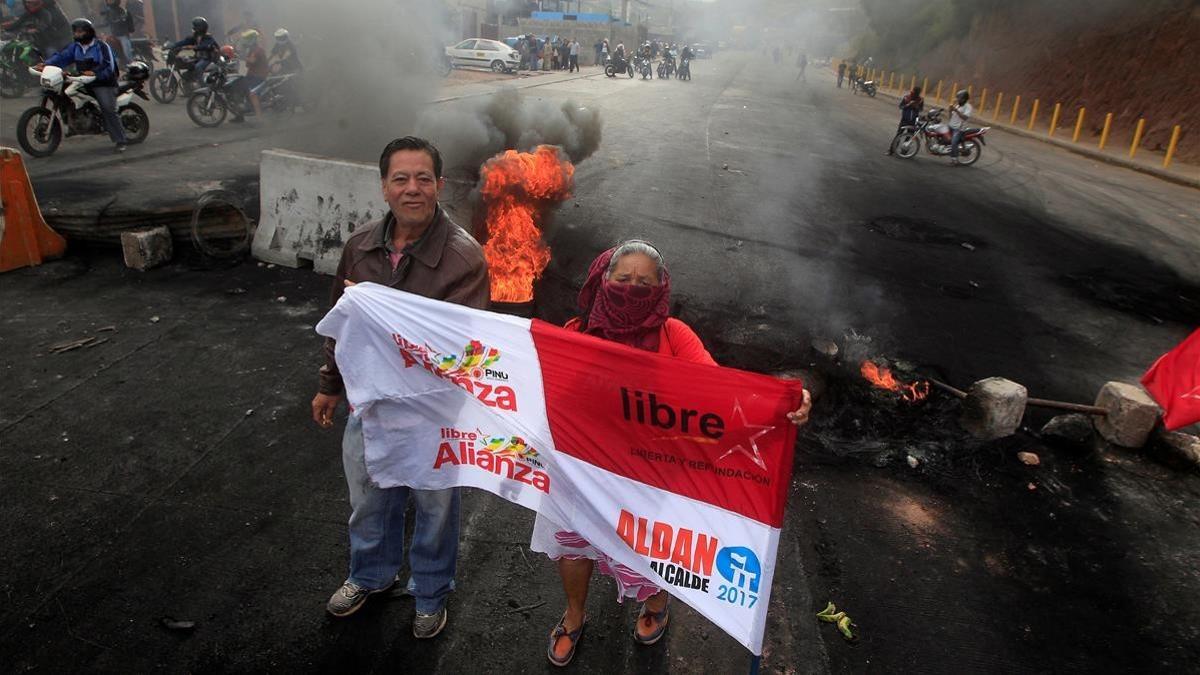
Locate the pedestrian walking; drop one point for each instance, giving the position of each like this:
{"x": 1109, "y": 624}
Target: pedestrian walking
{"x": 841, "y": 71}
{"x": 626, "y": 298}
{"x": 548, "y": 55}
{"x": 414, "y": 248}
{"x": 574, "y": 56}
{"x": 802, "y": 64}
{"x": 119, "y": 23}
{"x": 599, "y": 47}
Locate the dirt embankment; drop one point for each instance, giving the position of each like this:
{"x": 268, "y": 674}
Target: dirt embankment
{"x": 1133, "y": 59}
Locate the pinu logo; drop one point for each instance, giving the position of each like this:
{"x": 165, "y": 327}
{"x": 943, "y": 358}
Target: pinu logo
{"x": 468, "y": 370}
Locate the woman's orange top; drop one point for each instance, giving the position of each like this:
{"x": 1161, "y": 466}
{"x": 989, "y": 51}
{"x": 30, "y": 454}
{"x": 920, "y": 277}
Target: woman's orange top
{"x": 676, "y": 338}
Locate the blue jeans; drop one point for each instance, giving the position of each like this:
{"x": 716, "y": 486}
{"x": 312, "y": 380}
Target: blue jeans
{"x": 377, "y": 531}
{"x": 106, "y": 98}
{"x": 955, "y": 141}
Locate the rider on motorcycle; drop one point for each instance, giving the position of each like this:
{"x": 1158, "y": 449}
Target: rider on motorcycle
{"x": 284, "y": 60}
{"x": 960, "y": 112}
{"x": 45, "y": 23}
{"x": 205, "y": 45}
{"x": 910, "y": 109}
{"x": 93, "y": 57}
{"x": 256, "y": 68}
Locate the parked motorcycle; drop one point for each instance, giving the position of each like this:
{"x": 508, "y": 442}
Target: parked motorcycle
{"x": 69, "y": 109}
{"x": 937, "y": 137}
{"x": 178, "y": 75}
{"x": 643, "y": 67}
{"x": 685, "y": 69}
{"x": 618, "y": 65}
{"x": 16, "y": 57}
{"x": 869, "y": 86}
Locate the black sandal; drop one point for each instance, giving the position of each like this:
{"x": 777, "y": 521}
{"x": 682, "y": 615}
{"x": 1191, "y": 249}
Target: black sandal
{"x": 560, "y": 631}
{"x": 663, "y": 618}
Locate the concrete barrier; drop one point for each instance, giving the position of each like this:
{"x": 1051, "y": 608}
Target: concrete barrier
{"x": 310, "y": 207}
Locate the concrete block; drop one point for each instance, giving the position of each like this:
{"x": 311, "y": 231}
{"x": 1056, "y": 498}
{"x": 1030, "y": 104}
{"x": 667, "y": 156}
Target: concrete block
{"x": 144, "y": 249}
{"x": 1131, "y": 417}
{"x": 310, "y": 206}
{"x": 994, "y": 408}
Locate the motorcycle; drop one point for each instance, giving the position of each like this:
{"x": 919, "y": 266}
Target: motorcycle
{"x": 69, "y": 109}
{"x": 177, "y": 75}
{"x": 869, "y": 87}
{"x": 685, "y": 69}
{"x": 223, "y": 93}
{"x": 618, "y": 65}
{"x": 16, "y": 57}
{"x": 667, "y": 67}
{"x": 937, "y": 137}
{"x": 643, "y": 67}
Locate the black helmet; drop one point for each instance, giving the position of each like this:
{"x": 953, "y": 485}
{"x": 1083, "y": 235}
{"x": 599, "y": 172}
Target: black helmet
{"x": 85, "y": 26}
{"x": 963, "y": 96}
{"x": 200, "y": 24}
{"x": 138, "y": 72}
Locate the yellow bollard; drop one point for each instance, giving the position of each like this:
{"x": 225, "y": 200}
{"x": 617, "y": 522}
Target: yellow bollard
{"x": 1054, "y": 118}
{"x": 982, "y": 101}
{"x": 892, "y": 82}
{"x": 970, "y": 90}
{"x": 1033, "y": 114}
{"x": 996, "y": 112}
{"x": 1016, "y": 109}
{"x": 1137, "y": 137}
{"x": 913, "y": 83}
{"x": 1104, "y": 133}
{"x": 938, "y": 97}
{"x": 953, "y": 91}
{"x": 925, "y": 87}
{"x": 1171, "y": 146}
{"x": 1078, "y": 126}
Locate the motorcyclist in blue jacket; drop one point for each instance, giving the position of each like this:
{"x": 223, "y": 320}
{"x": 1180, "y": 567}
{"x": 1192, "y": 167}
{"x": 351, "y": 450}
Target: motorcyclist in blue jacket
{"x": 205, "y": 45}
{"x": 93, "y": 57}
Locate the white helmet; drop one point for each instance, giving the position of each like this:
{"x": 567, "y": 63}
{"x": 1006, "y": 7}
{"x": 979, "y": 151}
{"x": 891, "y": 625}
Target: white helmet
{"x": 281, "y": 35}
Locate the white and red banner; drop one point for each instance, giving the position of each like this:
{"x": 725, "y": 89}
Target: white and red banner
{"x": 677, "y": 471}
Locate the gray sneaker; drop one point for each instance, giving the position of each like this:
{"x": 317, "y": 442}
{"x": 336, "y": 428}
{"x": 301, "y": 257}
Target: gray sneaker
{"x": 426, "y": 626}
{"x": 349, "y": 598}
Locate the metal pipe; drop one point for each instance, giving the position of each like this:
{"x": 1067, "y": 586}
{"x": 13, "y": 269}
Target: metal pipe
{"x": 1039, "y": 402}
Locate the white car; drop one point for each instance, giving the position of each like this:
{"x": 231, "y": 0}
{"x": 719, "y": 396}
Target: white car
{"x": 483, "y": 53}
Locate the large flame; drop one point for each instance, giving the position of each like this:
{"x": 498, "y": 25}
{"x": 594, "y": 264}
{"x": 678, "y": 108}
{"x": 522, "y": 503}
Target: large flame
{"x": 882, "y": 377}
{"x": 517, "y": 189}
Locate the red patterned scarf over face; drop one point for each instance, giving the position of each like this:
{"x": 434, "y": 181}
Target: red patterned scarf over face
{"x": 624, "y": 313}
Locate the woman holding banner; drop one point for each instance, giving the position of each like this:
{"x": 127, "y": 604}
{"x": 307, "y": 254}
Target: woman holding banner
{"x": 626, "y": 298}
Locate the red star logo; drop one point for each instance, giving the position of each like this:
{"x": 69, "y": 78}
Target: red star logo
{"x": 745, "y": 436}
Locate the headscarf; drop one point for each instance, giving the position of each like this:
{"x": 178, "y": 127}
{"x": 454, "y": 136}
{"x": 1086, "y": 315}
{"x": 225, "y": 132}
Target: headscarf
{"x": 631, "y": 315}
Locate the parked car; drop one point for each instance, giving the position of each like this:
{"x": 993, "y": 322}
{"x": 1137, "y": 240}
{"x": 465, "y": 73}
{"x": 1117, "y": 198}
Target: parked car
{"x": 703, "y": 50}
{"x": 484, "y": 53}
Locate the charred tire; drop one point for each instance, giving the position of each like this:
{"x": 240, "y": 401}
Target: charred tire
{"x": 136, "y": 123}
{"x": 969, "y": 154}
{"x": 205, "y": 113}
{"x": 11, "y": 84}
{"x": 163, "y": 87}
{"x": 239, "y": 241}
{"x": 39, "y": 123}
{"x": 497, "y": 67}
{"x": 906, "y": 145}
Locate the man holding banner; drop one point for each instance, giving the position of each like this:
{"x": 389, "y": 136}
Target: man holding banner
{"x": 676, "y": 471}
{"x": 415, "y": 248}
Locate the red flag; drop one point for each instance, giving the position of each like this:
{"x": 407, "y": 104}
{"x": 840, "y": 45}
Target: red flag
{"x": 1174, "y": 382}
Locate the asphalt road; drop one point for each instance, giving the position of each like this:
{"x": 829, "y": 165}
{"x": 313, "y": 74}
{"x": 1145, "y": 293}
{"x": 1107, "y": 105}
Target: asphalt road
{"x": 171, "y": 471}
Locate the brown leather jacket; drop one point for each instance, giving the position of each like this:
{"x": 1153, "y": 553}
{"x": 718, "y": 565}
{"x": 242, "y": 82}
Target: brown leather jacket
{"x": 446, "y": 263}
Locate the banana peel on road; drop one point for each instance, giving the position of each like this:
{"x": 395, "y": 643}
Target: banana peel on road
{"x": 844, "y": 624}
